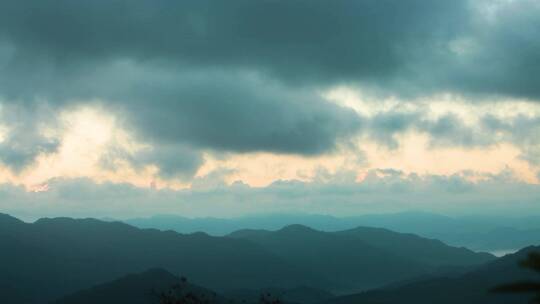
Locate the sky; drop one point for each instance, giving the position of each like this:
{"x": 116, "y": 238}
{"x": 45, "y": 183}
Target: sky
{"x": 228, "y": 108}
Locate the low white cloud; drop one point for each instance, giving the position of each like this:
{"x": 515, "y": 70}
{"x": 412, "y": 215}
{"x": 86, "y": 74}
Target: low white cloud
{"x": 382, "y": 190}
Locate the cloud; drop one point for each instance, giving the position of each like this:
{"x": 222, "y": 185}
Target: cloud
{"x": 293, "y": 40}
{"x": 238, "y": 113}
{"x": 175, "y": 161}
{"x": 522, "y": 130}
{"x": 24, "y": 139}
{"x": 386, "y": 125}
{"x": 450, "y": 130}
{"x": 503, "y": 51}
{"x": 381, "y": 191}
{"x": 193, "y": 110}
{"x": 416, "y": 47}
{"x": 238, "y": 76}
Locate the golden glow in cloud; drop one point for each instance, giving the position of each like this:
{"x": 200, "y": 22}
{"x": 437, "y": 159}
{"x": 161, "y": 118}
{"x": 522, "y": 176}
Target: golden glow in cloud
{"x": 88, "y": 135}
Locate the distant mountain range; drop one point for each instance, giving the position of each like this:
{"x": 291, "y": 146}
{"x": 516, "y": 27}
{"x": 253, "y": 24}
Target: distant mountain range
{"x": 479, "y": 233}
{"x": 52, "y": 258}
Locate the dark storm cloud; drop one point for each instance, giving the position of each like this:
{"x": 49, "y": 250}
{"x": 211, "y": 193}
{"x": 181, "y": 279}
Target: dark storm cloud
{"x": 302, "y": 40}
{"x": 173, "y": 161}
{"x": 240, "y": 75}
{"x": 181, "y": 113}
{"x": 179, "y": 71}
{"x": 503, "y": 57}
{"x": 224, "y": 110}
{"x": 239, "y": 113}
{"x": 521, "y": 130}
{"x": 408, "y": 47}
{"x": 24, "y": 141}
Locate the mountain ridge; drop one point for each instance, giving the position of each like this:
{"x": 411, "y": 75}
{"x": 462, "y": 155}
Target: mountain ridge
{"x": 470, "y": 288}
{"x": 344, "y": 254}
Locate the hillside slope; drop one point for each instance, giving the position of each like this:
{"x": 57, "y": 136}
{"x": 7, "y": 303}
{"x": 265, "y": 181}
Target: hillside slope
{"x": 362, "y": 258}
{"x": 471, "y": 288}
{"x": 140, "y": 288}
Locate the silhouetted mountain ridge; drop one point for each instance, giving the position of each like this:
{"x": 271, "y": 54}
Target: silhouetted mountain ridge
{"x": 141, "y": 288}
{"x": 343, "y": 255}
{"x": 471, "y": 288}
{"x": 63, "y": 255}
{"x": 430, "y": 251}
{"x": 60, "y": 256}
{"x": 480, "y": 233}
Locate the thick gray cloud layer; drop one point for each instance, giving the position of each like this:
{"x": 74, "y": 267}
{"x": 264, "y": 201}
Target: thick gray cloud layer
{"x": 184, "y": 112}
{"x": 302, "y": 40}
{"x": 239, "y": 113}
{"x": 24, "y": 141}
{"x": 503, "y": 55}
{"x": 240, "y": 75}
{"x": 394, "y": 45}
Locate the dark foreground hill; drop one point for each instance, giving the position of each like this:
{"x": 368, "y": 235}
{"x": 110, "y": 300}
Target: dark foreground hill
{"x": 362, "y": 258}
{"x": 141, "y": 288}
{"x": 471, "y": 288}
{"x": 148, "y": 287}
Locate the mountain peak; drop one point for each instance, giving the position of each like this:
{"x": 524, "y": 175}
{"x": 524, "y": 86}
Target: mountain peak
{"x": 297, "y": 228}
{"x": 8, "y": 219}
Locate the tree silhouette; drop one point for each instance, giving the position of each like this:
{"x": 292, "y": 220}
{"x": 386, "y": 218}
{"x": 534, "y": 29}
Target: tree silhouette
{"x": 532, "y": 262}
{"x": 267, "y": 298}
{"x": 184, "y": 293}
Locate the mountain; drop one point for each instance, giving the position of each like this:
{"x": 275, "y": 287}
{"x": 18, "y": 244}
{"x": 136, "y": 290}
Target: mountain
{"x": 220, "y": 227}
{"x": 146, "y": 288}
{"x": 429, "y": 251}
{"x": 361, "y": 258}
{"x": 405, "y": 221}
{"x": 54, "y": 257}
{"x": 480, "y": 233}
{"x": 51, "y": 258}
{"x": 471, "y": 288}
{"x": 141, "y": 288}
{"x": 496, "y": 239}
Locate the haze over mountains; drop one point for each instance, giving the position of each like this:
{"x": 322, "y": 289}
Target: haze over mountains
{"x": 480, "y": 233}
